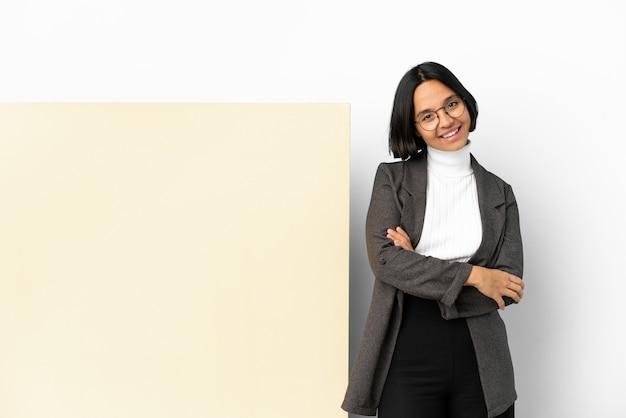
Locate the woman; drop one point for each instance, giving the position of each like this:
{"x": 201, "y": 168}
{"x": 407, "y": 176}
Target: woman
{"x": 444, "y": 244}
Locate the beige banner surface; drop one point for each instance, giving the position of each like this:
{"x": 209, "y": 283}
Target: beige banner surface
{"x": 173, "y": 260}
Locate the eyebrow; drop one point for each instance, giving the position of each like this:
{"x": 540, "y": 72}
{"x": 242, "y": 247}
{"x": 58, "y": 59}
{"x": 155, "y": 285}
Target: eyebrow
{"x": 444, "y": 103}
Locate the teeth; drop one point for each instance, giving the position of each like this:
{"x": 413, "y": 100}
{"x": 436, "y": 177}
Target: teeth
{"x": 451, "y": 133}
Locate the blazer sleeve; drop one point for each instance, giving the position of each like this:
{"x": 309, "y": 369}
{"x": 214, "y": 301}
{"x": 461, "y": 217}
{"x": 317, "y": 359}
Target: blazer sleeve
{"x": 508, "y": 257}
{"x": 412, "y": 273}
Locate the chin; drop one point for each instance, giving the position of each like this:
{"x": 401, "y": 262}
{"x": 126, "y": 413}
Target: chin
{"x": 454, "y": 146}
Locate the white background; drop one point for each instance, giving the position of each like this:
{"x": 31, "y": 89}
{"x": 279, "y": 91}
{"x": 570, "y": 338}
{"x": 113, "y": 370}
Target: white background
{"x": 549, "y": 80}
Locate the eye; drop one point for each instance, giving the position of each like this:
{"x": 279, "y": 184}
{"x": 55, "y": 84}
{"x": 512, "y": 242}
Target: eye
{"x": 453, "y": 103}
{"x": 425, "y": 117}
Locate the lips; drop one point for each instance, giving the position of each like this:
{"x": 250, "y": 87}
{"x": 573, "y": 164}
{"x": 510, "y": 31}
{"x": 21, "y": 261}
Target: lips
{"x": 450, "y": 134}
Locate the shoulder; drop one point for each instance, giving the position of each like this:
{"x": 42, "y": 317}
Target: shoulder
{"x": 389, "y": 173}
{"x": 409, "y": 175}
{"x": 401, "y": 168}
{"x": 391, "y": 168}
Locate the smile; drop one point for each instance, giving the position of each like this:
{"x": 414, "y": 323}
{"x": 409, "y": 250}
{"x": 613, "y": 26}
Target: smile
{"x": 450, "y": 134}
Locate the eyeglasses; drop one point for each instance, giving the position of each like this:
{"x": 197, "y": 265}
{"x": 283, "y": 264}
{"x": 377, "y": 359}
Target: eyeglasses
{"x": 428, "y": 120}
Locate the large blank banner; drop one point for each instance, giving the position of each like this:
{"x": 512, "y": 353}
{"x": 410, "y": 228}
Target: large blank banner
{"x": 173, "y": 260}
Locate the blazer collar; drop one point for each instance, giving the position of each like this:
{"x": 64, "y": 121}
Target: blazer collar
{"x": 491, "y": 202}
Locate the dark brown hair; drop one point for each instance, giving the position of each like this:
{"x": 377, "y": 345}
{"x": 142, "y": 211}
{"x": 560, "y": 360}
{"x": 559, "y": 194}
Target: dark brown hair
{"x": 404, "y": 141}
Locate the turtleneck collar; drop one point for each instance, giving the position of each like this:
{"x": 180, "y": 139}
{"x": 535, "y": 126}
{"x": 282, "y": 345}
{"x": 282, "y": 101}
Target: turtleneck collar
{"x": 450, "y": 163}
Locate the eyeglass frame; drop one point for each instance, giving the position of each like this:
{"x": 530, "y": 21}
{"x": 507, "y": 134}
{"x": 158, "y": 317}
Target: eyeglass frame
{"x": 444, "y": 109}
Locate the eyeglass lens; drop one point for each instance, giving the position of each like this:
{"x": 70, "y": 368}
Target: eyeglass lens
{"x": 454, "y": 107}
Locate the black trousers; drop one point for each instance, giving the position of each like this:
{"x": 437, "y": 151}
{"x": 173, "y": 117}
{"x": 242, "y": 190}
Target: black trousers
{"x": 433, "y": 372}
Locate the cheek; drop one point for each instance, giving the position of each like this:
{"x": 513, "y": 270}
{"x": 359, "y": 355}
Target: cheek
{"x": 468, "y": 121}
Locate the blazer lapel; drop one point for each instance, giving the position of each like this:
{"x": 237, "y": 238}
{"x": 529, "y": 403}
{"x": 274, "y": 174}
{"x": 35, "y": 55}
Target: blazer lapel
{"x": 492, "y": 204}
{"x": 415, "y": 178}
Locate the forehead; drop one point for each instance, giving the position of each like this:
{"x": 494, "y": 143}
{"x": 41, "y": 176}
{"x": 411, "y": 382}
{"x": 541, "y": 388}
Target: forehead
{"x": 431, "y": 94}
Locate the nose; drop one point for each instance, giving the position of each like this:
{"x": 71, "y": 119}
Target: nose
{"x": 445, "y": 120}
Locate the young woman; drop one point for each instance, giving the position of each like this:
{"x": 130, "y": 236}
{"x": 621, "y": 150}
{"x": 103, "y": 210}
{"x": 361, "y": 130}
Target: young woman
{"x": 444, "y": 244}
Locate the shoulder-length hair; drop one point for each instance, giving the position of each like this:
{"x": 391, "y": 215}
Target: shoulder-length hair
{"x": 404, "y": 140}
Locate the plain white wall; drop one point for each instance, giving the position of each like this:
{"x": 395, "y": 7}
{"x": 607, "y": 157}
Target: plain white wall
{"x": 549, "y": 80}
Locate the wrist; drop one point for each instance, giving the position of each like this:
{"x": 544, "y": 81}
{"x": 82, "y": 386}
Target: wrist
{"x": 474, "y": 277}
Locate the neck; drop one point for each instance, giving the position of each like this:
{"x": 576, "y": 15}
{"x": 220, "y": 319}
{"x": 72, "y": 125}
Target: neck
{"x": 450, "y": 163}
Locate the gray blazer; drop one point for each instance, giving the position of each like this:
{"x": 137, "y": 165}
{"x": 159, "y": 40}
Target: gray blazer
{"x": 399, "y": 199}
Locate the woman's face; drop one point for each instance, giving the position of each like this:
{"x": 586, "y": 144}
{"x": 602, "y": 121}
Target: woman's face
{"x": 449, "y": 133}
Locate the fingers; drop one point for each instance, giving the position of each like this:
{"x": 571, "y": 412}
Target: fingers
{"x": 516, "y": 285}
{"x": 496, "y": 284}
{"x": 398, "y": 233}
{"x": 402, "y": 231}
{"x": 514, "y": 289}
{"x": 516, "y": 280}
{"x": 394, "y": 235}
{"x": 400, "y": 238}
{"x": 517, "y": 297}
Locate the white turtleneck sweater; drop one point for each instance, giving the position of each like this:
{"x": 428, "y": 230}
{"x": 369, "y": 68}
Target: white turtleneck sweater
{"x": 452, "y": 226}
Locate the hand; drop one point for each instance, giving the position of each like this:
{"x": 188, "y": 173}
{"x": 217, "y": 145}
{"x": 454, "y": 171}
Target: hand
{"x": 496, "y": 284}
{"x": 400, "y": 238}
